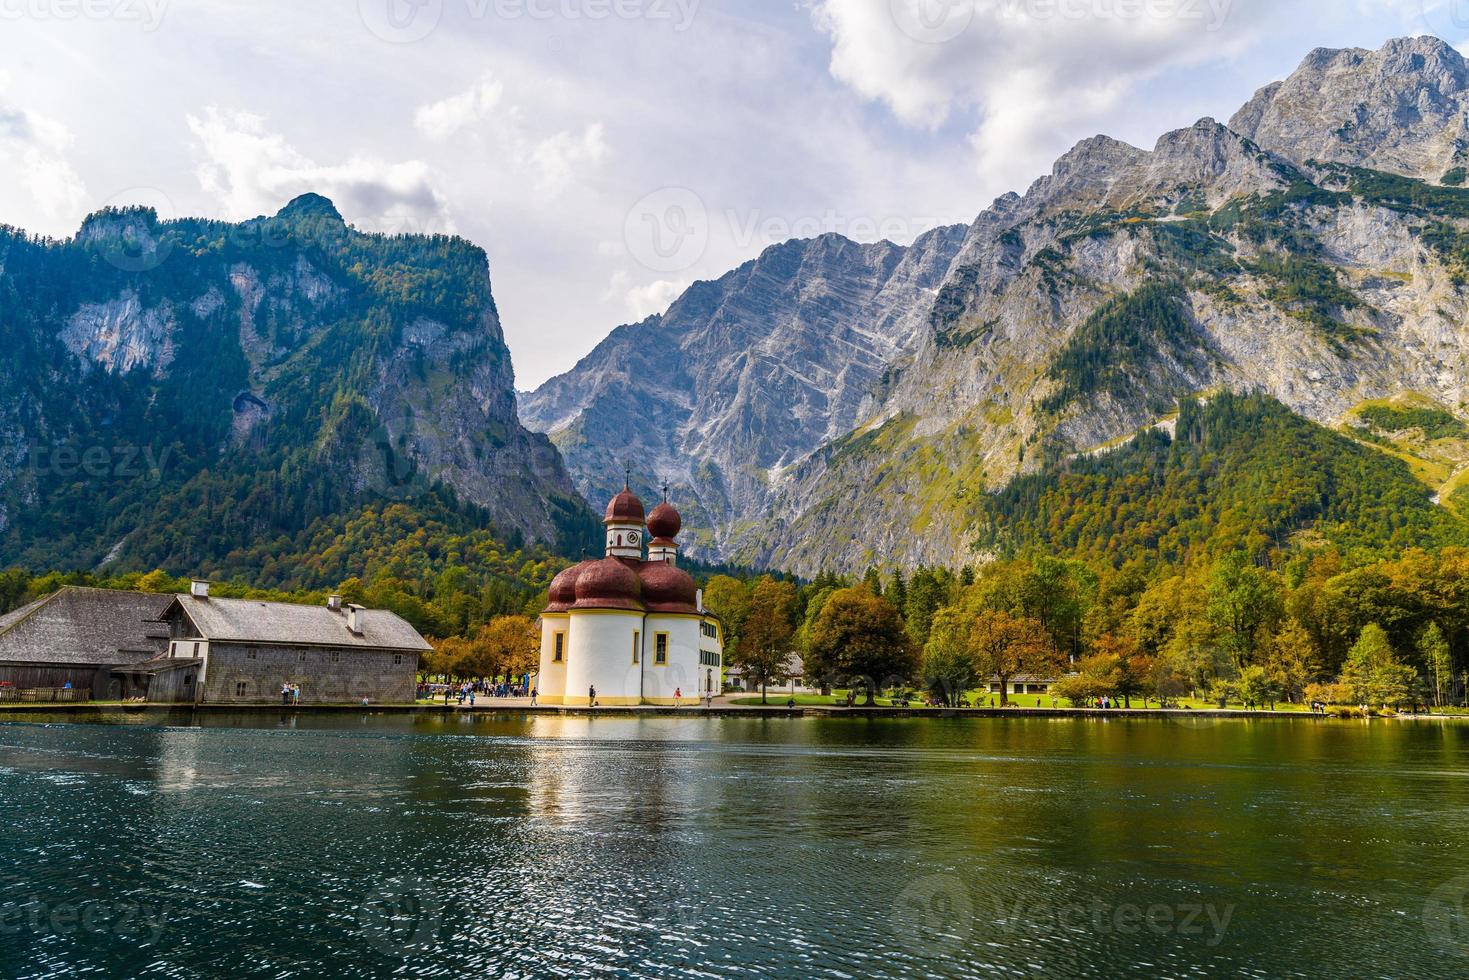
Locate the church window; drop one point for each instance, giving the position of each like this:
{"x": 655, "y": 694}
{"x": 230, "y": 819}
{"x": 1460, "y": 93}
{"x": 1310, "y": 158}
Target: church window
{"x": 637, "y": 645}
{"x": 559, "y": 654}
{"x": 660, "y": 649}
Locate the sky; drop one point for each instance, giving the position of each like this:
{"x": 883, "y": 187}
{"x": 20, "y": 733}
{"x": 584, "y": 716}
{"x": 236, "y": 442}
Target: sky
{"x": 608, "y": 153}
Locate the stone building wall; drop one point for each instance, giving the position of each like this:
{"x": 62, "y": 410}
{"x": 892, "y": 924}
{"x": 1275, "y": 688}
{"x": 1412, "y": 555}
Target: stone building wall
{"x": 253, "y": 674}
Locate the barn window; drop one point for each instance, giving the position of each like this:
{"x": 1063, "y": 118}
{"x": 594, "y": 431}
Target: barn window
{"x": 336, "y": 656}
{"x": 252, "y": 654}
{"x": 242, "y": 689}
{"x": 303, "y": 656}
{"x": 397, "y": 660}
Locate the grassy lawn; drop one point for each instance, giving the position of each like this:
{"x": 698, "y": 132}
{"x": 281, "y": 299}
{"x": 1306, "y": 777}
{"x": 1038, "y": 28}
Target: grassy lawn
{"x": 984, "y": 699}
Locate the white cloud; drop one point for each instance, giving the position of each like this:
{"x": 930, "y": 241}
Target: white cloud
{"x": 558, "y": 160}
{"x": 34, "y": 156}
{"x": 1024, "y": 70}
{"x": 646, "y": 300}
{"x": 441, "y": 120}
{"x": 547, "y": 162}
{"x": 251, "y": 170}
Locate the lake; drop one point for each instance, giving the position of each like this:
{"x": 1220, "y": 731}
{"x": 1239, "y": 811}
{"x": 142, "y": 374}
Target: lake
{"x": 424, "y": 846}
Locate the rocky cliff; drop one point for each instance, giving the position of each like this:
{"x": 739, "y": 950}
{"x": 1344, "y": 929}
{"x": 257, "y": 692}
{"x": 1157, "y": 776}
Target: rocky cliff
{"x": 744, "y": 377}
{"x": 1316, "y": 250}
{"x": 208, "y": 386}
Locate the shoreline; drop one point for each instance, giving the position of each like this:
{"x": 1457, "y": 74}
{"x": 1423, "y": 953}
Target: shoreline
{"x": 91, "y": 710}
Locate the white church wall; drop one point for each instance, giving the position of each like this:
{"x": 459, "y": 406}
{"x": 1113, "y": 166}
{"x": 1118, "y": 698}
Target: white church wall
{"x": 551, "y": 680}
{"x": 602, "y": 656}
{"x": 681, "y": 673}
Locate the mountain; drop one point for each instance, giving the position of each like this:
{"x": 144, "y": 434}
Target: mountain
{"x": 210, "y": 398}
{"x": 744, "y": 377}
{"x": 1315, "y": 251}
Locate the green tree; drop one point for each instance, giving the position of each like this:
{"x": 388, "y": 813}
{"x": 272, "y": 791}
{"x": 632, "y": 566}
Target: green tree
{"x": 948, "y": 662}
{"x": 1257, "y": 687}
{"x": 1290, "y": 660}
{"x": 859, "y": 638}
{"x": 1372, "y": 674}
{"x": 1434, "y": 650}
{"x": 729, "y": 599}
{"x": 1243, "y": 600}
{"x": 769, "y": 627}
{"x": 927, "y": 594}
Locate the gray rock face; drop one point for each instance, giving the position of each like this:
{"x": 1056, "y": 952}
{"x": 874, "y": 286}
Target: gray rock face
{"x": 1404, "y": 109}
{"x": 742, "y": 378}
{"x": 277, "y": 352}
{"x": 1283, "y": 271}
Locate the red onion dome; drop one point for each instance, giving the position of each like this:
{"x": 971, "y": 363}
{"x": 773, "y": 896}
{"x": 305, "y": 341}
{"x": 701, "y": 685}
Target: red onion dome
{"x": 608, "y": 584}
{"x": 625, "y": 508}
{"x": 668, "y": 589}
{"x": 664, "y": 521}
{"x": 563, "y": 588}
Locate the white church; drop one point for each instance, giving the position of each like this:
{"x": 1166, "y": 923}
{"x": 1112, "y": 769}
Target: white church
{"x": 633, "y": 630}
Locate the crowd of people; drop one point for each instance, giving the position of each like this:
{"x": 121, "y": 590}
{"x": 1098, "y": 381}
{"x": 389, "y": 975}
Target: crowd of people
{"x": 469, "y": 691}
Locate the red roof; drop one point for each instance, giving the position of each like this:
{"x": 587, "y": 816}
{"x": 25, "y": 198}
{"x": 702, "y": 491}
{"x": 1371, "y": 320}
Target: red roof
{"x": 609, "y": 584}
{"x": 563, "y": 587}
{"x": 625, "y": 508}
{"x": 664, "y": 522}
{"x": 668, "y": 589}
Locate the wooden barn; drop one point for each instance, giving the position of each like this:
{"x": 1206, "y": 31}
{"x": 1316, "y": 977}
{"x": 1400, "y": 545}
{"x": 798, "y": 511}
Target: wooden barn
{"x": 74, "y": 639}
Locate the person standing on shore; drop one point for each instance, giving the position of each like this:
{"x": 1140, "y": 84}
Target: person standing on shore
{"x": 592, "y": 696}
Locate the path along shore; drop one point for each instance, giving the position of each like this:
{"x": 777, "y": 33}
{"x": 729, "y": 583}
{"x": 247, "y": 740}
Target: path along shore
{"x": 522, "y": 707}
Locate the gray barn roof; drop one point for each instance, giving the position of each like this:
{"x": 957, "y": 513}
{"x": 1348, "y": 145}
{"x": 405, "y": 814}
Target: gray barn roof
{"x": 256, "y": 621}
{"x": 86, "y": 626}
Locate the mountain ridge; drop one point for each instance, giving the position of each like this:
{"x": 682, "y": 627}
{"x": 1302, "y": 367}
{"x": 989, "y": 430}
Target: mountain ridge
{"x": 289, "y": 368}
{"x": 1294, "y": 268}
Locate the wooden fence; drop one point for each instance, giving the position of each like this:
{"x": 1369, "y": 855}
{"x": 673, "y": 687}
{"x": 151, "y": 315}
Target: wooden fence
{"x": 44, "y": 694}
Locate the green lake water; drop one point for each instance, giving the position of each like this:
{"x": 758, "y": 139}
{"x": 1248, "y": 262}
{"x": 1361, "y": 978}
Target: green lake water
{"x": 422, "y": 846}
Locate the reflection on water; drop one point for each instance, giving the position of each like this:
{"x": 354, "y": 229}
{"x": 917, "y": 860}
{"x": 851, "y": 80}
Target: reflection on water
{"x": 444, "y": 846}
